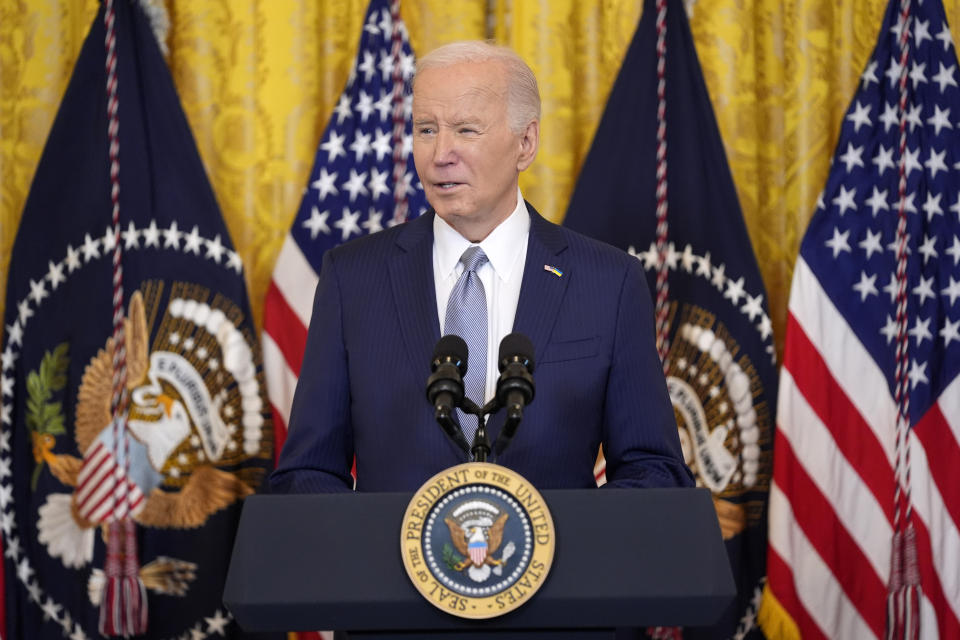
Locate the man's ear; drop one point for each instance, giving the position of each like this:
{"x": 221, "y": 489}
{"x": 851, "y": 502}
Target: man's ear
{"x": 529, "y": 143}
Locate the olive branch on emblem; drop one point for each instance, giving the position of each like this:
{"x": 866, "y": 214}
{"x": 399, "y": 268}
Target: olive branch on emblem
{"x": 451, "y": 558}
{"x": 45, "y": 418}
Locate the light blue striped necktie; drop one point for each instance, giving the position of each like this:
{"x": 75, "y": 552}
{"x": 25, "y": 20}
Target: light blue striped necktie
{"x": 467, "y": 317}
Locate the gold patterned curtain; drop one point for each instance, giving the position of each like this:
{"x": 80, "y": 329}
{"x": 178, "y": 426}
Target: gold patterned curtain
{"x": 258, "y": 80}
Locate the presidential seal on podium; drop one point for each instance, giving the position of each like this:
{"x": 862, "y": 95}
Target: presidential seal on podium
{"x": 477, "y": 540}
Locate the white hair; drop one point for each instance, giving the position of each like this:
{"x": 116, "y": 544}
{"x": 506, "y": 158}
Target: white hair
{"x": 523, "y": 94}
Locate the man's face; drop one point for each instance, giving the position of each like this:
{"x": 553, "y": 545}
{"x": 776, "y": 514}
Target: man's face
{"x": 467, "y": 157}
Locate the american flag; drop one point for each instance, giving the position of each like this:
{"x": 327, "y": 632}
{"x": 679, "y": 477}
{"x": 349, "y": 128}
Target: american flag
{"x": 363, "y": 180}
{"x": 833, "y": 502}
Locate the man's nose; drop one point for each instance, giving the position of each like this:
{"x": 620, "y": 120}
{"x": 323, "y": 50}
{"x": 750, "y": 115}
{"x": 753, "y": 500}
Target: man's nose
{"x": 445, "y": 151}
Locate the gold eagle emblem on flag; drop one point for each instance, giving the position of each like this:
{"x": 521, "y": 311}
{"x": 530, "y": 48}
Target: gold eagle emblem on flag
{"x": 196, "y": 413}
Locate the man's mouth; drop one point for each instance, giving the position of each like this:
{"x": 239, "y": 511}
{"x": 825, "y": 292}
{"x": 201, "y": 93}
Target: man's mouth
{"x": 447, "y": 185}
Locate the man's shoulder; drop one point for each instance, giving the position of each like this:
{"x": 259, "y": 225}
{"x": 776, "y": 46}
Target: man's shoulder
{"x": 581, "y": 248}
{"x": 382, "y": 243}
{"x": 603, "y": 250}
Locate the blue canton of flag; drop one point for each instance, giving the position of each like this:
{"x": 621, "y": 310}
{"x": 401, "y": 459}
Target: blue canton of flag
{"x": 850, "y": 244}
{"x": 352, "y": 186}
{"x": 363, "y": 180}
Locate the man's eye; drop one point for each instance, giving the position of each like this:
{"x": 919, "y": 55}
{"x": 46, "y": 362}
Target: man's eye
{"x": 425, "y": 131}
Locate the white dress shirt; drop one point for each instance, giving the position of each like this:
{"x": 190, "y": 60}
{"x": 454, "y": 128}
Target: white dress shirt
{"x": 506, "y": 250}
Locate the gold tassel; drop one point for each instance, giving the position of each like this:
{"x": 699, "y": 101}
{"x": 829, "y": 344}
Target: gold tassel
{"x": 774, "y": 619}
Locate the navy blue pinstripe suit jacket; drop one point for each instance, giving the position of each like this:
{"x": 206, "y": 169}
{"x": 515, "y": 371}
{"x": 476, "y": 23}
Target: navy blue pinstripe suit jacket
{"x": 362, "y": 384}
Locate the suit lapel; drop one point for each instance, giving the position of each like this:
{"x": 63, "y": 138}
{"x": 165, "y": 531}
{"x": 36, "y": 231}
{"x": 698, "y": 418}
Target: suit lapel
{"x": 541, "y": 292}
{"x": 414, "y": 292}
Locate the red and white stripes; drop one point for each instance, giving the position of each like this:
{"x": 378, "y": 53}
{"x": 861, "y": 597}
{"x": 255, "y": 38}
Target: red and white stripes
{"x": 286, "y": 316}
{"x": 832, "y": 514}
{"x": 104, "y": 491}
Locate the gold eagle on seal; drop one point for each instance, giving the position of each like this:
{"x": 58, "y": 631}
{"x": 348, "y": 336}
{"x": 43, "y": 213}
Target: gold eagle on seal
{"x": 179, "y": 395}
{"x": 476, "y": 547}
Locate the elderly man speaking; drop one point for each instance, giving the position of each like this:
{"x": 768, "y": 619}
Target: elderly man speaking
{"x": 481, "y": 264}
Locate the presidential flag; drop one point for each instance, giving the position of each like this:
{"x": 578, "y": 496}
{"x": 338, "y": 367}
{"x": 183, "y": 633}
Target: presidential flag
{"x": 865, "y": 501}
{"x": 656, "y": 183}
{"x": 196, "y": 435}
{"x": 363, "y": 180}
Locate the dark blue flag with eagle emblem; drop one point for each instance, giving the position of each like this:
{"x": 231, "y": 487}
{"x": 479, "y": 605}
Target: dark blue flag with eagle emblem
{"x": 720, "y": 360}
{"x": 200, "y": 435}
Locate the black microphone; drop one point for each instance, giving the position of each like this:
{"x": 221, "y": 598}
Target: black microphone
{"x": 515, "y": 388}
{"x": 445, "y": 385}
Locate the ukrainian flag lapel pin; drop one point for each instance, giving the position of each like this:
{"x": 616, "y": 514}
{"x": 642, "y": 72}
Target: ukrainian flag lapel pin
{"x": 553, "y": 270}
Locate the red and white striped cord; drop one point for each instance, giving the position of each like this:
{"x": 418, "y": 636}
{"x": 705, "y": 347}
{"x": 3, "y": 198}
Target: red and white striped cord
{"x": 400, "y": 202}
{"x": 123, "y": 609}
{"x": 902, "y": 392}
{"x": 661, "y": 308}
{"x": 662, "y": 288}
{"x": 119, "y": 398}
{"x": 903, "y": 590}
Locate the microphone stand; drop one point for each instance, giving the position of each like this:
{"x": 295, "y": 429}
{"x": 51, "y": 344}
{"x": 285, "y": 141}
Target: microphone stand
{"x": 480, "y": 449}
{"x": 481, "y": 443}
{"x": 514, "y": 390}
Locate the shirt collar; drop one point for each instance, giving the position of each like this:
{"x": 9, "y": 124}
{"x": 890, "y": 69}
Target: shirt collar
{"x": 502, "y": 246}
